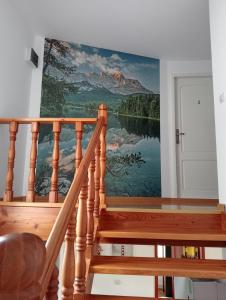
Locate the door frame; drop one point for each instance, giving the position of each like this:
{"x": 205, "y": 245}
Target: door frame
{"x": 173, "y": 79}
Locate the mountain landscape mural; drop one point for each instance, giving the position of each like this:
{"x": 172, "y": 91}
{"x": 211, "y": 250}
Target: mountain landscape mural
{"x": 76, "y": 79}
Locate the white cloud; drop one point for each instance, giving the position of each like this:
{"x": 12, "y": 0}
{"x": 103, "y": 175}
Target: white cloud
{"x": 116, "y": 57}
{"x": 96, "y": 61}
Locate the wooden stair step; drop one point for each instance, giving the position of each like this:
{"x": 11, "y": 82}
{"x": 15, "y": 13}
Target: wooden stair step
{"x": 203, "y": 229}
{"x": 103, "y": 297}
{"x": 211, "y": 269}
{"x": 120, "y": 201}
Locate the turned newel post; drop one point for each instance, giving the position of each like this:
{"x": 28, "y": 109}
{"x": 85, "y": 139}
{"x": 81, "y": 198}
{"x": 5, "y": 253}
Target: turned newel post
{"x": 53, "y": 195}
{"x": 90, "y": 203}
{"x": 97, "y": 181}
{"x": 33, "y": 158}
{"x": 52, "y": 289}
{"x": 102, "y": 112}
{"x": 22, "y": 259}
{"x": 80, "y": 246}
{"x": 13, "y": 129}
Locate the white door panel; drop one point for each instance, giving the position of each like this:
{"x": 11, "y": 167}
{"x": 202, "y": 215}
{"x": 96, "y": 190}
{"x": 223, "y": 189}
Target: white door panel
{"x": 197, "y": 118}
{"x": 196, "y": 150}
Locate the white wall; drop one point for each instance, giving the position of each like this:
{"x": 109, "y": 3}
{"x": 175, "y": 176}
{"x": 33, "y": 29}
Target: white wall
{"x": 169, "y": 70}
{"x": 125, "y": 285}
{"x": 218, "y": 43}
{"x": 15, "y": 79}
{"x": 34, "y": 100}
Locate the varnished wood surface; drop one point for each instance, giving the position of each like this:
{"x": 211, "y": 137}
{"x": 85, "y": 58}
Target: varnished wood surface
{"x": 38, "y": 199}
{"x": 103, "y": 148}
{"x": 168, "y": 209}
{"x": 53, "y": 194}
{"x": 213, "y": 269}
{"x": 13, "y": 129}
{"x": 164, "y": 242}
{"x": 33, "y": 159}
{"x": 156, "y": 201}
{"x": 58, "y": 231}
{"x": 48, "y": 120}
{"x": 162, "y": 226}
{"x": 52, "y": 290}
{"x": 22, "y": 257}
{"x": 30, "y": 204}
{"x": 153, "y": 203}
{"x": 28, "y": 217}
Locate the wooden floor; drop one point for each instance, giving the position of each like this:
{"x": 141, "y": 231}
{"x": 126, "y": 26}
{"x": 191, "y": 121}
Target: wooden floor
{"x": 212, "y": 269}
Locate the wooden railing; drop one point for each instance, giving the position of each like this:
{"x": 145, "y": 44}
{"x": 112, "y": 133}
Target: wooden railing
{"x": 35, "y": 124}
{"x": 87, "y": 187}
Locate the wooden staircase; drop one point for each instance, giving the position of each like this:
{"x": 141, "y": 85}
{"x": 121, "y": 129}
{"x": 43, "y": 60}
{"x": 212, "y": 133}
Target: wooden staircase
{"x": 205, "y": 268}
{"x": 86, "y": 218}
{"x": 163, "y": 227}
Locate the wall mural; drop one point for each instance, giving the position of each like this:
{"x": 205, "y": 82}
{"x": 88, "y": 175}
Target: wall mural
{"x": 76, "y": 79}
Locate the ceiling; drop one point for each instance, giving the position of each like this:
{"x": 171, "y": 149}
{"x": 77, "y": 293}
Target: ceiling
{"x": 167, "y": 29}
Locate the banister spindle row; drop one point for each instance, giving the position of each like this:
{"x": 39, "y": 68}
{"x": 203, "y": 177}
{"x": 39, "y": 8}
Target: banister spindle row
{"x": 74, "y": 265}
{"x": 30, "y": 197}
{"x": 80, "y": 222}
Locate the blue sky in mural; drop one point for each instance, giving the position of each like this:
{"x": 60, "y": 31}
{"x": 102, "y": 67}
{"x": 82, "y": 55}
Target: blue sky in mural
{"x": 92, "y": 59}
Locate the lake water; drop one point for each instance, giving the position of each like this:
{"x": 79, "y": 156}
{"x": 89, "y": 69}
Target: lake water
{"x": 133, "y": 154}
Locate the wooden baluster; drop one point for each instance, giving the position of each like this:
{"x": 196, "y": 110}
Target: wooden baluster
{"x": 103, "y": 113}
{"x": 81, "y": 229}
{"x": 52, "y": 289}
{"x": 90, "y": 204}
{"x": 69, "y": 260}
{"x": 78, "y": 152}
{"x": 13, "y": 129}
{"x": 53, "y": 195}
{"x": 97, "y": 181}
{"x": 33, "y": 158}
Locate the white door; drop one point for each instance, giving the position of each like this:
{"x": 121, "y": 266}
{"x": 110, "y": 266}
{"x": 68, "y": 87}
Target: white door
{"x": 195, "y": 138}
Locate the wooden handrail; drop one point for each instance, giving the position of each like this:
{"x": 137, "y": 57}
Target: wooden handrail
{"x": 48, "y": 120}
{"x": 57, "y": 234}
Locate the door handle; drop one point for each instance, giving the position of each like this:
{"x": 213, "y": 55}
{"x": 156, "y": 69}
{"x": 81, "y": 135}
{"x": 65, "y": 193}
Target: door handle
{"x": 178, "y": 133}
